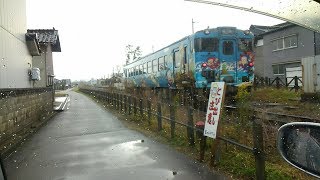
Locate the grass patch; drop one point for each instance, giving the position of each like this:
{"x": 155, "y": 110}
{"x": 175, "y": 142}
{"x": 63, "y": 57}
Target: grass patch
{"x": 288, "y": 98}
{"x": 273, "y": 95}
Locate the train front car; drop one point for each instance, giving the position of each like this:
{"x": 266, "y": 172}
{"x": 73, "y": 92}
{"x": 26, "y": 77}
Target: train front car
{"x": 223, "y": 54}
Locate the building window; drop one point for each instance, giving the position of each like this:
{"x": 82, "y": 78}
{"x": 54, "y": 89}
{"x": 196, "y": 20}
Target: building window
{"x": 260, "y": 42}
{"x": 278, "y": 69}
{"x": 50, "y": 80}
{"x": 285, "y": 42}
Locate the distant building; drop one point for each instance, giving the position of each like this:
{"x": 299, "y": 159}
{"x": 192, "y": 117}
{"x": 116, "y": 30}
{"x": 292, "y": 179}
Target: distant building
{"x": 282, "y": 46}
{"x": 62, "y": 84}
{"x": 41, "y": 44}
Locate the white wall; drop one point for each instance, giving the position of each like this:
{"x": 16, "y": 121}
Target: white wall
{"x": 14, "y": 55}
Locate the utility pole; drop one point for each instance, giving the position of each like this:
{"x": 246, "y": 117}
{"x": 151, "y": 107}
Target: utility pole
{"x": 193, "y": 25}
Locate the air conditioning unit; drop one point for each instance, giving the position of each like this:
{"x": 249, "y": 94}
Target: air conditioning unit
{"x": 35, "y": 74}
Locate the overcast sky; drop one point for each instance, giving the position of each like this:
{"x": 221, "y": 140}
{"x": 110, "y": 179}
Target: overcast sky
{"x": 93, "y": 33}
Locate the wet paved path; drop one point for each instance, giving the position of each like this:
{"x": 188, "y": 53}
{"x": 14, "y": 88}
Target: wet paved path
{"x": 88, "y": 142}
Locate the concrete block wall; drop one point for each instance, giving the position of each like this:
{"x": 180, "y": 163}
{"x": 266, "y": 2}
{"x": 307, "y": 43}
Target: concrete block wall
{"x": 21, "y": 111}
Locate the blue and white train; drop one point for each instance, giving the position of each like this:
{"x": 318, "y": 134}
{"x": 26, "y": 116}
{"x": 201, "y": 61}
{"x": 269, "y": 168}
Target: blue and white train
{"x": 218, "y": 54}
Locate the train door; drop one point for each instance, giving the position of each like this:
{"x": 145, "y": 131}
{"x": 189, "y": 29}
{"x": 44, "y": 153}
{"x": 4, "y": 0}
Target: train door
{"x": 185, "y": 66}
{"x": 228, "y": 59}
{"x": 176, "y": 61}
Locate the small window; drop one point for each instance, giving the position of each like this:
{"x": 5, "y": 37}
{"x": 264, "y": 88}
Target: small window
{"x": 185, "y": 55}
{"x": 141, "y": 69}
{"x": 176, "y": 59}
{"x": 136, "y": 70}
{"x": 145, "y": 68}
{"x": 245, "y": 45}
{"x": 285, "y": 43}
{"x": 290, "y": 41}
{"x": 206, "y": 44}
{"x": 125, "y": 73}
{"x": 227, "y": 47}
{"x": 155, "y": 65}
{"x": 278, "y": 69}
{"x": 260, "y": 42}
{"x": 150, "y": 67}
{"x": 161, "y": 63}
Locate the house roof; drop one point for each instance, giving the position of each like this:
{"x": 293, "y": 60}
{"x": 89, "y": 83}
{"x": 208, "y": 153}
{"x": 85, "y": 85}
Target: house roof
{"x": 44, "y": 36}
{"x": 258, "y": 30}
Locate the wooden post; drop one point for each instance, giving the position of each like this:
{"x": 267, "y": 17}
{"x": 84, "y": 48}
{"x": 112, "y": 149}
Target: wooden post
{"x": 121, "y": 102}
{"x": 201, "y": 139}
{"x": 190, "y": 131}
{"x": 258, "y": 148}
{"x": 149, "y": 111}
{"x": 172, "y": 113}
{"x": 140, "y": 106}
{"x": 278, "y": 82}
{"x": 296, "y": 84}
{"x": 129, "y": 104}
{"x": 135, "y": 105}
{"x": 159, "y": 116}
{"x": 125, "y": 103}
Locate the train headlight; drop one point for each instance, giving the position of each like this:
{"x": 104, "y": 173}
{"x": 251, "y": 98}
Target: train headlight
{"x": 206, "y": 32}
{"x": 246, "y": 32}
{"x": 204, "y": 65}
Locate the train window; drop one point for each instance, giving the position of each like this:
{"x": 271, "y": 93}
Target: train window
{"x": 176, "y": 59}
{"x": 206, "y": 44}
{"x": 165, "y": 65}
{"x": 125, "y": 73}
{"x": 185, "y": 55}
{"x": 155, "y": 65}
{"x": 141, "y": 69}
{"x": 245, "y": 45}
{"x": 145, "y": 68}
{"x": 161, "y": 63}
{"x": 227, "y": 47}
{"x": 150, "y": 67}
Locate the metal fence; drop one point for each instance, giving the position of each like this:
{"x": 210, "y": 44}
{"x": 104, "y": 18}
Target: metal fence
{"x": 294, "y": 83}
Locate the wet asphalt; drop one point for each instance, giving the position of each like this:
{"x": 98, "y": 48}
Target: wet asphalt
{"x": 88, "y": 142}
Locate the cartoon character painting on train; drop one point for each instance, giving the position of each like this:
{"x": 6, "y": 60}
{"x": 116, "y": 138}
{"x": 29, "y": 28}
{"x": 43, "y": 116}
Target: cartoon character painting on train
{"x": 213, "y": 63}
{"x": 246, "y": 61}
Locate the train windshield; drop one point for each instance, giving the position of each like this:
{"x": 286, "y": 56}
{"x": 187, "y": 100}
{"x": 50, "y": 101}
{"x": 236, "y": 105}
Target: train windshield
{"x": 206, "y": 44}
{"x": 245, "y": 45}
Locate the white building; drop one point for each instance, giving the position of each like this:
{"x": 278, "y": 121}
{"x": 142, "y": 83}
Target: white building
{"x": 15, "y": 60}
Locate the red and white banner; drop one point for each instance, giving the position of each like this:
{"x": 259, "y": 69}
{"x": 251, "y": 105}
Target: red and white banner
{"x": 216, "y": 98}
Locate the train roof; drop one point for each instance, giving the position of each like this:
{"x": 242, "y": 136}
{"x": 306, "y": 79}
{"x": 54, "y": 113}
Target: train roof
{"x": 186, "y": 37}
{"x": 182, "y": 39}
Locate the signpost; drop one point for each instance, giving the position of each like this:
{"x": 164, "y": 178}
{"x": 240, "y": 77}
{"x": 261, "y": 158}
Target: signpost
{"x": 216, "y": 98}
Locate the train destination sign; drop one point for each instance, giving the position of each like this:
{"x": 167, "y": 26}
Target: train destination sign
{"x": 216, "y": 98}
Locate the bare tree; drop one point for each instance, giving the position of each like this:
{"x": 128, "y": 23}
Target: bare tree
{"x": 132, "y": 53}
